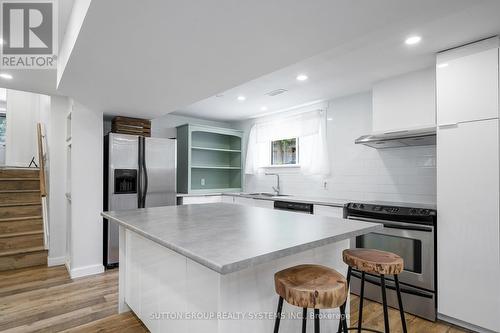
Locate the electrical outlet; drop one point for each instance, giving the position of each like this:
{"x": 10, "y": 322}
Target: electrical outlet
{"x": 203, "y": 182}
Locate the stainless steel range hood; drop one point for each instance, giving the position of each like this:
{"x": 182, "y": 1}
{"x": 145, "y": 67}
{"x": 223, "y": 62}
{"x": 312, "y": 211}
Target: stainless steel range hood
{"x": 404, "y": 138}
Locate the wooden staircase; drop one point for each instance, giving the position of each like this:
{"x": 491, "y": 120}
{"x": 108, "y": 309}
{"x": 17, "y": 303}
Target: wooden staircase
{"x": 21, "y": 222}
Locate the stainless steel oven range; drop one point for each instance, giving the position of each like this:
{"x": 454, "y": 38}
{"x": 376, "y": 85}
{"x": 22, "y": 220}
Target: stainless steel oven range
{"x": 409, "y": 231}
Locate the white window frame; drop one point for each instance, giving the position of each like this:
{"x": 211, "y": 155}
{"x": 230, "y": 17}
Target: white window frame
{"x": 297, "y": 153}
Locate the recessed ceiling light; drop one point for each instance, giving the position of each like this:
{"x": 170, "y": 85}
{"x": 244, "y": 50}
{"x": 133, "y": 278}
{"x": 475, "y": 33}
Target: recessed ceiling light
{"x": 412, "y": 40}
{"x": 6, "y": 76}
{"x": 329, "y": 119}
{"x": 241, "y": 98}
{"x": 1, "y": 41}
{"x": 443, "y": 65}
{"x": 264, "y": 108}
{"x": 301, "y": 77}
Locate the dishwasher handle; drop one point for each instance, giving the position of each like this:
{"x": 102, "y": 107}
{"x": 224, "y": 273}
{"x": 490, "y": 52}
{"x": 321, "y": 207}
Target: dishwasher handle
{"x": 300, "y": 207}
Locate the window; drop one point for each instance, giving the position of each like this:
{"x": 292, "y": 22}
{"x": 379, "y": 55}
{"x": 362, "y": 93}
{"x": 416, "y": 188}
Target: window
{"x": 284, "y": 152}
{"x": 3, "y": 124}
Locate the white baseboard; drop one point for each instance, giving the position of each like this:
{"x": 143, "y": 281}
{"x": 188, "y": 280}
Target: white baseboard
{"x": 67, "y": 263}
{"x": 56, "y": 261}
{"x": 463, "y": 324}
{"x": 86, "y": 270}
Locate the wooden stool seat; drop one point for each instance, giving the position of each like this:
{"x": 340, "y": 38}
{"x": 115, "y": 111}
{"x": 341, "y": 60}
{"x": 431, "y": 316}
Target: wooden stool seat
{"x": 311, "y": 286}
{"x": 373, "y": 261}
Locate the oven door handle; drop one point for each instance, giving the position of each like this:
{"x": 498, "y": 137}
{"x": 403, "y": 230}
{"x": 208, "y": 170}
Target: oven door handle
{"x": 412, "y": 228}
{"x": 394, "y": 225}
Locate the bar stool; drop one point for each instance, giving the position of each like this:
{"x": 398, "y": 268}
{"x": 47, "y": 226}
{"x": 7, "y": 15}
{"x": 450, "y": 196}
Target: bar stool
{"x": 379, "y": 263}
{"x": 311, "y": 287}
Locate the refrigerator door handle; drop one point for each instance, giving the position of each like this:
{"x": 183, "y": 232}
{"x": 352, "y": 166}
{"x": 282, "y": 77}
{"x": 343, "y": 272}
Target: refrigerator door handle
{"x": 141, "y": 175}
{"x": 145, "y": 171}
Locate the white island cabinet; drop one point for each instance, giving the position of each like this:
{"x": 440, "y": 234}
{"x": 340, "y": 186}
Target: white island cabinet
{"x": 468, "y": 188}
{"x": 210, "y": 268}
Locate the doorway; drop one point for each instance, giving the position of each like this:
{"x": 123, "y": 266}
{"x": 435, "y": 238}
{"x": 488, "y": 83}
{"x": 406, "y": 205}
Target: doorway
{"x": 3, "y": 123}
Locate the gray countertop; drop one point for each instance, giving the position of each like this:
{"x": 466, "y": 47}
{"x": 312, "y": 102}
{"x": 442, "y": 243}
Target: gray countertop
{"x": 227, "y": 238}
{"x": 324, "y": 201}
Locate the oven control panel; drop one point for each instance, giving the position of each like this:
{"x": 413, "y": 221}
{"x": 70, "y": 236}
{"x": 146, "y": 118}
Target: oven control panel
{"x": 377, "y": 210}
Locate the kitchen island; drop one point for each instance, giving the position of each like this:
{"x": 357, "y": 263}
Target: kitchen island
{"x": 210, "y": 267}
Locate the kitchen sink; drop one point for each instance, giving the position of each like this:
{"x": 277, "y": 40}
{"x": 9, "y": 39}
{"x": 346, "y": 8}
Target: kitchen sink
{"x": 265, "y": 194}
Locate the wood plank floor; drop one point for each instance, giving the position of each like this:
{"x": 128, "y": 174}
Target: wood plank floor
{"x": 373, "y": 317}
{"x": 41, "y": 299}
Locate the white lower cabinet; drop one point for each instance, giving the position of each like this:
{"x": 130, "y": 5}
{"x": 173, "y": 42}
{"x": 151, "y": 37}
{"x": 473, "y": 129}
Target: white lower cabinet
{"x": 203, "y": 199}
{"x": 263, "y": 203}
{"x": 243, "y": 201}
{"x": 329, "y": 211}
{"x": 468, "y": 241}
{"x": 228, "y": 198}
{"x": 254, "y": 202}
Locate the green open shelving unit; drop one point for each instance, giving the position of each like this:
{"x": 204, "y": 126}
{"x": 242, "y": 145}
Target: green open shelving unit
{"x": 208, "y": 159}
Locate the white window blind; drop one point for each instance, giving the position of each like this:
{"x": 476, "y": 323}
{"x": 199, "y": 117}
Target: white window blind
{"x": 309, "y": 127}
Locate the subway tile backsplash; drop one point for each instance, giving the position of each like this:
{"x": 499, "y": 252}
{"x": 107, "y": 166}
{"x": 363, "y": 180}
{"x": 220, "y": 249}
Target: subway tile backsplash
{"x": 359, "y": 172}
{"x": 369, "y": 179}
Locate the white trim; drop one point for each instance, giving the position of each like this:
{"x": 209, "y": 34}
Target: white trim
{"x": 282, "y": 166}
{"x": 86, "y": 270}
{"x": 460, "y": 323}
{"x": 20, "y": 165}
{"x": 56, "y": 261}
{"x": 67, "y": 263}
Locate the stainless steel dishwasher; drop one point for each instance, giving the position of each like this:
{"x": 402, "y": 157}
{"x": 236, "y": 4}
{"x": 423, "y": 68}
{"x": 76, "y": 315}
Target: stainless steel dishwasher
{"x": 298, "y": 207}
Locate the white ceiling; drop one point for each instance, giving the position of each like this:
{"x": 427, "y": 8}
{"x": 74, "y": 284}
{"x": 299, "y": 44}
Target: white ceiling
{"x": 40, "y": 81}
{"x": 148, "y": 58}
{"x": 355, "y": 65}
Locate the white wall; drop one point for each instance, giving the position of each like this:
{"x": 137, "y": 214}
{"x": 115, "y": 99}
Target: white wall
{"x": 56, "y": 138}
{"x": 86, "y": 226}
{"x": 358, "y": 172}
{"x": 165, "y": 126}
{"x": 23, "y": 113}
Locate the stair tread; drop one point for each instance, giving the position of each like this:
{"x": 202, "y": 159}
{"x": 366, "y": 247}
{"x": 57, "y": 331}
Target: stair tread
{"x": 19, "y": 191}
{"x": 19, "y": 234}
{"x": 21, "y": 204}
{"x": 17, "y": 168}
{"x": 18, "y": 179}
{"x": 23, "y": 218}
{"x": 21, "y": 251}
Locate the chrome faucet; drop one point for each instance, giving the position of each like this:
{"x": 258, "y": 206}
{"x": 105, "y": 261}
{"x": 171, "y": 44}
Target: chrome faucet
{"x": 277, "y": 188}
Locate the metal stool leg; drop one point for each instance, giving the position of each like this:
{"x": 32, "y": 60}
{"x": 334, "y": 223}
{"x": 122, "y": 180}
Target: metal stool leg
{"x": 316, "y": 320}
{"x": 278, "y": 315}
{"x": 343, "y": 319}
{"x": 304, "y": 320}
{"x": 400, "y": 301}
{"x": 384, "y": 303}
{"x": 348, "y": 278}
{"x": 361, "y": 297}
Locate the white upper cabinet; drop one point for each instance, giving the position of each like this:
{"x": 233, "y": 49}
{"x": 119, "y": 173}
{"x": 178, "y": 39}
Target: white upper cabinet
{"x": 406, "y": 101}
{"x": 467, "y": 83}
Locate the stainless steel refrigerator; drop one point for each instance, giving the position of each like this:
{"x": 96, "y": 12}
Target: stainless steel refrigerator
{"x": 139, "y": 172}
